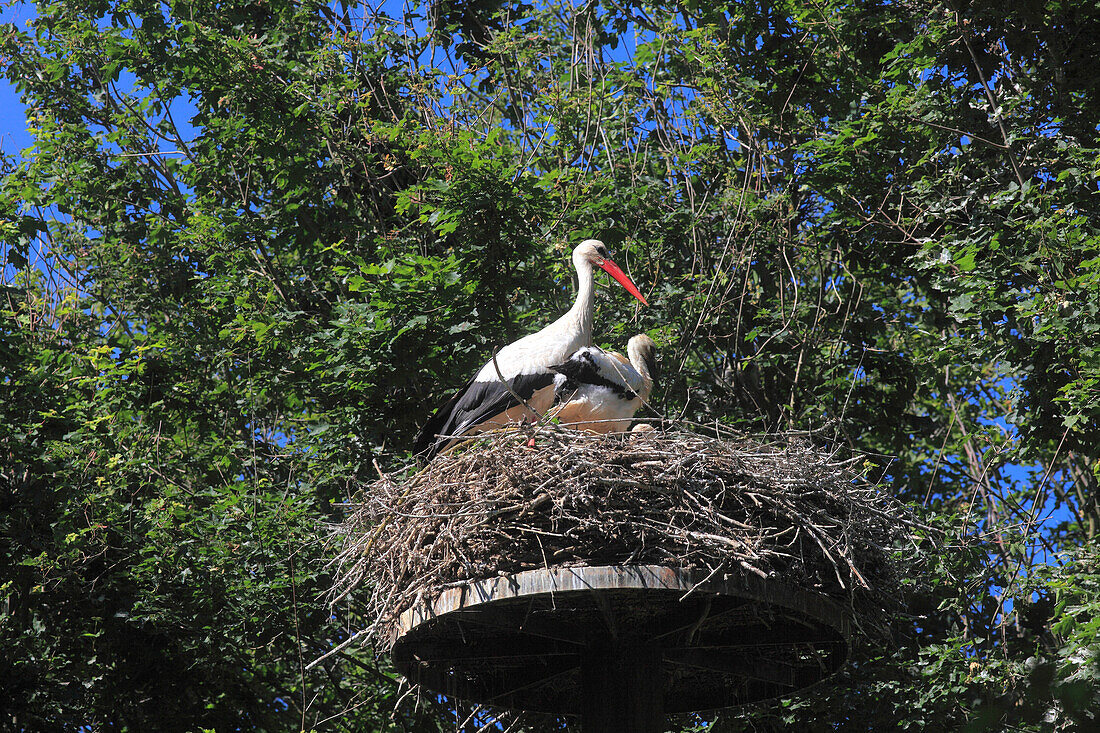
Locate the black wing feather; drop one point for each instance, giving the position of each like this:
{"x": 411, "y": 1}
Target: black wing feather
{"x": 428, "y": 434}
{"x": 581, "y": 369}
{"x": 472, "y": 405}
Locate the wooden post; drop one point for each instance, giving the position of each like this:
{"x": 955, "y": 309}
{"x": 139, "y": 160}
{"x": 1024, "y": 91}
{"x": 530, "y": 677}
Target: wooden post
{"x": 622, "y": 689}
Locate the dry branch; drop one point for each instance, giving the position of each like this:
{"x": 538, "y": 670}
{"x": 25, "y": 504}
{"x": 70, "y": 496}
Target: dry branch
{"x": 780, "y": 509}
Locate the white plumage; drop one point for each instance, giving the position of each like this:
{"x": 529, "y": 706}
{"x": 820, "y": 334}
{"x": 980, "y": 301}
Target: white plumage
{"x": 522, "y": 368}
{"x": 599, "y": 391}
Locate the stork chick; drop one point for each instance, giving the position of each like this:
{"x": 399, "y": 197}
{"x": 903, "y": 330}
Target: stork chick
{"x": 599, "y": 391}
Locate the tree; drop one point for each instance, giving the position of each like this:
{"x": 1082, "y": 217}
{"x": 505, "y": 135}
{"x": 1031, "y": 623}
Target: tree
{"x": 253, "y": 241}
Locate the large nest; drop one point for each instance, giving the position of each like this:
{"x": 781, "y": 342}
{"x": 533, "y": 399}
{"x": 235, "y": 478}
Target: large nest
{"x": 779, "y": 509}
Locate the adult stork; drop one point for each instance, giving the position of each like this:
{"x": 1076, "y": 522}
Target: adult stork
{"x": 600, "y": 391}
{"x": 517, "y": 383}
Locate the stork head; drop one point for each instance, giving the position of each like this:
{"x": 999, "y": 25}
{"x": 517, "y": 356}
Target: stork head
{"x": 593, "y": 252}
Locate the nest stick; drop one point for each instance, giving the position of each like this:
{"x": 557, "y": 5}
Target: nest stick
{"x": 777, "y": 509}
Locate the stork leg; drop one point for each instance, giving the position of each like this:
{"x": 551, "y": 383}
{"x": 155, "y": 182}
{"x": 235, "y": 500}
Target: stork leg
{"x": 525, "y": 420}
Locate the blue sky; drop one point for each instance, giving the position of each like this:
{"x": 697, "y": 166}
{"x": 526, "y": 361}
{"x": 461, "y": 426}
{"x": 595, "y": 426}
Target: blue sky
{"x": 13, "y": 116}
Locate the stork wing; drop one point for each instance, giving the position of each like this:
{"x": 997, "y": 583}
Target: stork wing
{"x": 582, "y": 368}
{"x": 477, "y": 402}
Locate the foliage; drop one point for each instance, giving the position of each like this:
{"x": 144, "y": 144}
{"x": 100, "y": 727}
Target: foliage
{"x": 253, "y": 241}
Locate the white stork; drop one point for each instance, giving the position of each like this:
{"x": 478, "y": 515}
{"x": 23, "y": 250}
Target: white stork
{"x": 522, "y": 368}
{"x": 600, "y": 391}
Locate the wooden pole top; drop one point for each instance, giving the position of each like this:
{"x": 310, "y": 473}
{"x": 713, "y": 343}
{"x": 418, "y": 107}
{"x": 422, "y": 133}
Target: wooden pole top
{"x": 520, "y": 641}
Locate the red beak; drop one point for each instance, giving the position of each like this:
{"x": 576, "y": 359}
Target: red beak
{"x": 613, "y": 270}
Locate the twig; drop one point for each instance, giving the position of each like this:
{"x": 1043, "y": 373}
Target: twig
{"x": 773, "y": 507}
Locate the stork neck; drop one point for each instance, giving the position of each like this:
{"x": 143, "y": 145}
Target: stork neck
{"x": 581, "y": 312}
{"x": 641, "y": 365}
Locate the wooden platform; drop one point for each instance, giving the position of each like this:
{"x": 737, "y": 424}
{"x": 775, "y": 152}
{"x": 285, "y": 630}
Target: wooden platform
{"x": 567, "y": 640}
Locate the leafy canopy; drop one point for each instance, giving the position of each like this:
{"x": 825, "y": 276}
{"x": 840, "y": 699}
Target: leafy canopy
{"x": 253, "y": 242}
